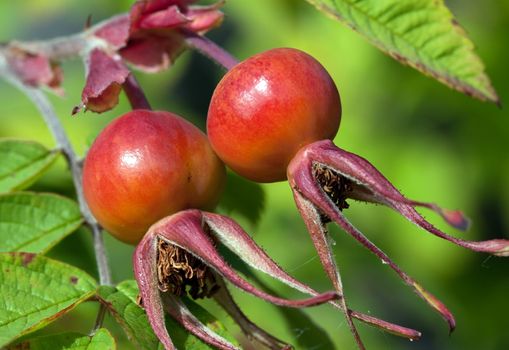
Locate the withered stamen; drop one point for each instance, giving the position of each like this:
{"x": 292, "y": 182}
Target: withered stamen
{"x": 335, "y": 186}
{"x": 177, "y": 269}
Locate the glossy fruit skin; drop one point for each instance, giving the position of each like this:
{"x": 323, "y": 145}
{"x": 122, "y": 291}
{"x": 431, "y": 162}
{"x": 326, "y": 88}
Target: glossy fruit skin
{"x": 146, "y": 165}
{"x": 268, "y": 107}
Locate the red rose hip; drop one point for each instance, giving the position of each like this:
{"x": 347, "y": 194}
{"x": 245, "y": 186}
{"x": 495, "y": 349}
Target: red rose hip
{"x": 269, "y": 106}
{"x": 146, "y": 165}
{"x": 273, "y": 116}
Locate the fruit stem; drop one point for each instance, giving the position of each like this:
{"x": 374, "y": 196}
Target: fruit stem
{"x": 135, "y": 94}
{"x": 209, "y": 49}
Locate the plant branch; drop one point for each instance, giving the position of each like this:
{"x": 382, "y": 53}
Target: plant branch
{"x": 57, "y": 49}
{"x": 48, "y": 113}
{"x": 209, "y": 48}
{"x": 54, "y": 125}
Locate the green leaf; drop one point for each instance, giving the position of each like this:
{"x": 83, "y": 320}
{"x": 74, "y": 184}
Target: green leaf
{"x": 193, "y": 343}
{"x": 22, "y": 162}
{"x": 234, "y": 198}
{"x": 130, "y": 316}
{"x": 421, "y": 33}
{"x": 35, "y": 291}
{"x": 121, "y": 302}
{"x": 101, "y": 340}
{"x": 34, "y": 223}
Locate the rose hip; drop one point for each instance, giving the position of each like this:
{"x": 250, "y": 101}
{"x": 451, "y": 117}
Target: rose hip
{"x": 269, "y": 106}
{"x": 146, "y": 165}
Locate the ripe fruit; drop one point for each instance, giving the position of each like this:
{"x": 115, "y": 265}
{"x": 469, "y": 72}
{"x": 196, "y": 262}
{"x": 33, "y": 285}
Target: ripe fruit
{"x": 275, "y": 115}
{"x": 146, "y": 165}
{"x": 269, "y": 106}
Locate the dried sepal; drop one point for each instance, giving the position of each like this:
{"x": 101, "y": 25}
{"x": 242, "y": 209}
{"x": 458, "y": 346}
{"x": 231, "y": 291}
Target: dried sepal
{"x": 388, "y": 327}
{"x": 186, "y": 230}
{"x": 174, "y": 256}
{"x": 149, "y": 38}
{"x": 224, "y": 298}
{"x": 144, "y": 17}
{"x": 454, "y": 218}
{"x": 434, "y": 302}
{"x": 316, "y": 224}
{"x": 155, "y": 38}
{"x": 497, "y": 247}
{"x": 153, "y": 52}
{"x": 198, "y": 233}
{"x": 204, "y": 18}
{"x": 105, "y": 75}
{"x": 114, "y": 31}
{"x": 145, "y": 272}
{"x": 231, "y": 235}
{"x": 168, "y": 14}
{"x": 369, "y": 184}
{"x": 35, "y": 69}
{"x": 179, "y": 311}
{"x": 310, "y": 174}
{"x": 321, "y": 239}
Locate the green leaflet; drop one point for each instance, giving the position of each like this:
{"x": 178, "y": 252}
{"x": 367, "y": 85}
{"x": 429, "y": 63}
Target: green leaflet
{"x": 420, "y": 33}
{"x": 121, "y": 302}
{"x": 101, "y": 340}
{"x": 22, "y": 162}
{"x": 34, "y": 223}
{"x": 35, "y": 291}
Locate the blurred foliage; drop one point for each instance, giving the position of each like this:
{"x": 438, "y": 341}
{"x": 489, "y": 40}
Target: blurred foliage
{"x": 422, "y": 34}
{"x": 431, "y": 142}
{"x": 242, "y": 197}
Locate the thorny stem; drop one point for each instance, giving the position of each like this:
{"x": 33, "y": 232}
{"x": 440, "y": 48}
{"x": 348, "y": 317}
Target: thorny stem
{"x": 209, "y": 48}
{"x": 53, "y": 123}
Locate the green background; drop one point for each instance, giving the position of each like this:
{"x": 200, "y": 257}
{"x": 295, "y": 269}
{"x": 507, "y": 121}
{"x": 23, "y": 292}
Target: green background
{"x": 433, "y": 143}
